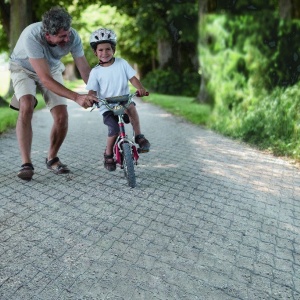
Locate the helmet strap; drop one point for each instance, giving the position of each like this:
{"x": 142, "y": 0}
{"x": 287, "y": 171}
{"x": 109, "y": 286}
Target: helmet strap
{"x": 106, "y": 62}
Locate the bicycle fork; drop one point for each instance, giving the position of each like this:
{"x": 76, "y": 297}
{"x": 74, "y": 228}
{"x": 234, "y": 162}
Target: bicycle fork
{"x": 122, "y": 138}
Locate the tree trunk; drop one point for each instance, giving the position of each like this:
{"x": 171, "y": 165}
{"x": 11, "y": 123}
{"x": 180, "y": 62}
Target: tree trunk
{"x": 21, "y": 10}
{"x": 21, "y": 13}
{"x": 204, "y": 7}
{"x": 285, "y": 9}
{"x": 207, "y": 6}
{"x": 289, "y": 9}
{"x": 295, "y": 9}
{"x": 70, "y": 72}
{"x": 178, "y": 56}
{"x": 164, "y": 51}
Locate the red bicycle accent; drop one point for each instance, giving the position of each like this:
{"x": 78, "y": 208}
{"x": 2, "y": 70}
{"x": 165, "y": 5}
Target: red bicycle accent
{"x": 125, "y": 152}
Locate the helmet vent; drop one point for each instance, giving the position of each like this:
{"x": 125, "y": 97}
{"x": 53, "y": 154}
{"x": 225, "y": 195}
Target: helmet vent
{"x": 103, "y": 35}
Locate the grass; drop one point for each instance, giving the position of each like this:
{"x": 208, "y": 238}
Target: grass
{"x": 185, "y": 107}
{"x": 8, "y": 116}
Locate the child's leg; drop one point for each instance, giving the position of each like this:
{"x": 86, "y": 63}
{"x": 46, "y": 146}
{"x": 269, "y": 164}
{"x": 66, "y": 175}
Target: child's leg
{"x": 113, "y": 131}
{"x": 110, "y": 144}
{"x": 109, "y": 162}
{"x": 135, "y": 122}
{"x": 134, "y": 118}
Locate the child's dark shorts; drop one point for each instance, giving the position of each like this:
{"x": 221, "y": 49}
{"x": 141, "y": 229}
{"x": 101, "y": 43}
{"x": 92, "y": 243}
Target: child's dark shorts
{"x": 111, "y": 121}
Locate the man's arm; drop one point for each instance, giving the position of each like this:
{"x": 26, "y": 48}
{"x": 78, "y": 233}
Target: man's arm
{"x": 42, "y": 69}
{"x": 92, "y": 93}
{"x": 83, "y": 67}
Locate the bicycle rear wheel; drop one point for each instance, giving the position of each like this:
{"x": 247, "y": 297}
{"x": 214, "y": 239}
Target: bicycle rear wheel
{"x": 128, "y": 165}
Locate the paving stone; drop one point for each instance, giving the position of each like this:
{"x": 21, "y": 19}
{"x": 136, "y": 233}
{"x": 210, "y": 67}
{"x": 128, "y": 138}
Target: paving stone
{"x": 209, "y": 219}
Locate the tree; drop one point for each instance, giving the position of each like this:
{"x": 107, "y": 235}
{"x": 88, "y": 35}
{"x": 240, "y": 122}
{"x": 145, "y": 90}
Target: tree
{"x": 169, "y": 22}
{"x": 23, "y": 15}
{"x": 277, "y": 35}
{"x": 21, "y": 10}
{"x": 168, "y": 43}
{"x": 205, "y": 6}
{"x": 289, "y": 9}
{"x": 163, "y": 37}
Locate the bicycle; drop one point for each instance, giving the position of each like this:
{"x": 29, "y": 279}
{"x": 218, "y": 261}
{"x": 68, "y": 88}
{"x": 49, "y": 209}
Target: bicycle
{"x": 125, "y": 153}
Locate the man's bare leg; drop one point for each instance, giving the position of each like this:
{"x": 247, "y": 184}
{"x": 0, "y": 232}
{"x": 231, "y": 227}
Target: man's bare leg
{"x": 59, "y": 130}
{"x": 24, "y": 135}
{"x": 24, "y": 127}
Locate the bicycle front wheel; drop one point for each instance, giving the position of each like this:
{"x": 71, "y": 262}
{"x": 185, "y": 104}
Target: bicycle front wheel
{"x": 128, "y": 165}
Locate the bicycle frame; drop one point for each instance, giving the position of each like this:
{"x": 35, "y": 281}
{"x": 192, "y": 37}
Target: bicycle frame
{"x": 123, "y": 138}
{"x": 124, "y": 149}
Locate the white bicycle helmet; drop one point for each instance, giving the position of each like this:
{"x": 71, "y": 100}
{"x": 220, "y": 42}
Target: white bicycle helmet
{"x": 101, "y": 36}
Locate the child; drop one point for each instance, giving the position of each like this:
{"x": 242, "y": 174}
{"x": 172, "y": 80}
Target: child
{"x": 110, "y": 78}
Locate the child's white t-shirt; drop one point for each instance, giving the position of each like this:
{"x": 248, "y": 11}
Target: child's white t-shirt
{"x": 111, "y": 81}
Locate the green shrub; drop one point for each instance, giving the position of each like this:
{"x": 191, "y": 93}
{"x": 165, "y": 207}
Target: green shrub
{"x": 169, "y": 83}
{"x": 274, "y": 122}
{"x": 252, "y": 64}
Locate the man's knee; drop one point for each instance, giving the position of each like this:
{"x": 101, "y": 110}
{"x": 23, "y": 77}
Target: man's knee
{"x": 27, "y": 103}
{"x": 60, "y": 115}
{"x": 26, "y": 107}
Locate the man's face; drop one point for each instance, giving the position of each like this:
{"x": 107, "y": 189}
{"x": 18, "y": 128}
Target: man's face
{"x": 59, "y": 39}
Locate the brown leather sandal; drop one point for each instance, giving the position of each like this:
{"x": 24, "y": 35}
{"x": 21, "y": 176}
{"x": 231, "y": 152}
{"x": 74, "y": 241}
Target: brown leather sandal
{"x": 109, "y": 162}
{"x": 26, "y": 172}
{"x": 56, "y": 166}
{"x": 144, "y": 145}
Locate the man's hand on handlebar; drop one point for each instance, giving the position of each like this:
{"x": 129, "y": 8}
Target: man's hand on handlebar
{"x": 86, "y": 100}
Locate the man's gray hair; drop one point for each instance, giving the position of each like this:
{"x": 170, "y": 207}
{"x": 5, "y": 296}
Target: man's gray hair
{"x": 55, "y": 19}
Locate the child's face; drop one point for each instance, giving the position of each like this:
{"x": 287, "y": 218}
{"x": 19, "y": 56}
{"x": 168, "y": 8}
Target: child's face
{"x": 104, "y": 52}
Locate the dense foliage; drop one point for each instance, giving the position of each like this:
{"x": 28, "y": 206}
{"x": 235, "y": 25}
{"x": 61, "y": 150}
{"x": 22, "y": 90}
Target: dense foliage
{"x": 251, "y": 63}
{"x": 156, "y": 23}
{"x": 142, "y": 28}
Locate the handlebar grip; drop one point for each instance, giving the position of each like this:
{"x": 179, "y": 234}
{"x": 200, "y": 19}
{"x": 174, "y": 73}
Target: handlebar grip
{"x": 97, "y": 104}
{"x": 137, "y": 93}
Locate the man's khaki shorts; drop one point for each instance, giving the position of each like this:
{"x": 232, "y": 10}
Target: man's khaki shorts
{"x": 26, "y": 82}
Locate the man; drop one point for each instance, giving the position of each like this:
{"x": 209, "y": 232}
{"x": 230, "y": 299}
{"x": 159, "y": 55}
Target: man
{"x": 35, "y": 64}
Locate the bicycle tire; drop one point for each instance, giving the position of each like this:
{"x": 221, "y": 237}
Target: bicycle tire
{"x": 128, "y": 165}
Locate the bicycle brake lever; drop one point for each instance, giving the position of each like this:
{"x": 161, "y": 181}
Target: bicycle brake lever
{"x": 95, "y": 104}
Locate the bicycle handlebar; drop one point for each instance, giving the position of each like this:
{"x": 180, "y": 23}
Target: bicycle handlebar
{"x": 126, "y": 99}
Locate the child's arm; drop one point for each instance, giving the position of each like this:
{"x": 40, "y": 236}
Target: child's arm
{"x": 138, "y": 85}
